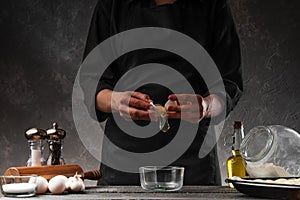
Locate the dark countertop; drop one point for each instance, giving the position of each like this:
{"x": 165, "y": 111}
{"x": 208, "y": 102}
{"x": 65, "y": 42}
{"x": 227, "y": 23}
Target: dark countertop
{"x": 136, "y": 192}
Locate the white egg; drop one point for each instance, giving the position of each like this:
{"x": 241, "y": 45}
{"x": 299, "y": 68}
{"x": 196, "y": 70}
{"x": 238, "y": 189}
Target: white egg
{"x": 57, "y": 184}
{"x": 68, "y": 184}
{"x": 41, "y": 183}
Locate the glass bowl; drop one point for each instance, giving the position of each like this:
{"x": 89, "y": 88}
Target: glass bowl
{"x": 18, "y": 186}
{"x": 158, "y": 178}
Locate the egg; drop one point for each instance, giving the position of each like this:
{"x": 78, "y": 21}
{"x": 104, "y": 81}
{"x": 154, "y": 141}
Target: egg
{"x": 42, "y": 185}
{"x": 57, "y": 184}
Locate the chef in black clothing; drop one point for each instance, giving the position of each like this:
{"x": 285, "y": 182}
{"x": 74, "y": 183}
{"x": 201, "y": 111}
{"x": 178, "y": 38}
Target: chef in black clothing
{"x": 209, "y": 22}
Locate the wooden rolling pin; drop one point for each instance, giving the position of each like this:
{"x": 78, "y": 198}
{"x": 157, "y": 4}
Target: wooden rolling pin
{"x": 50, "y": 171}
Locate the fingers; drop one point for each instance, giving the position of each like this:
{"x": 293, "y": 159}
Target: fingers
{"x": 173, "y": 97}
{"x": 185, "y": 111}
{"x": 190, "y": 117}
{"x": 137, "y": 100}
{"x": 130, "y": 113}
{"x": 139, "y": 104}
{"x": 153, "y": 115}
{"x": 141, "y": 96}
{"x": 174, "y": 115}
{"x": 183, "y": 97}
{"x": 132, "y": 105}
{"x": 189, "y": 107}
{"x": 136, "y": 106}
{"x": 136, "y": 114}
{"x": 174, "y": 108}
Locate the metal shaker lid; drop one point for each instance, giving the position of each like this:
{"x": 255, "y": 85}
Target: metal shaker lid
{"x": 56, "y": 133}
{"x": 35, "y": 134}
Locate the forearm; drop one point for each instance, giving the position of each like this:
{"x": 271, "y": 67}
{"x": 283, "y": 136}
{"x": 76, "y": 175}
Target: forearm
{"x": 216, "y": 105}
{"x": 103, "y": 101}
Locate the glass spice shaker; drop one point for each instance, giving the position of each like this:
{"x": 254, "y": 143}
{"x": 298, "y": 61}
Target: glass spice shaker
{"x": 55, "y": 138}
{"x": 271, "y": 151}
{"x": 35, "y": 139}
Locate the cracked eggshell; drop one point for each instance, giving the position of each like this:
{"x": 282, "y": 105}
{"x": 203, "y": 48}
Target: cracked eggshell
{"x": 170, "y": 103}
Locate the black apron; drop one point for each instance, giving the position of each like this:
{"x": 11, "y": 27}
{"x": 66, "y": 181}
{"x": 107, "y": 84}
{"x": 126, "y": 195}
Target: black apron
{"x": 194, "y": 18}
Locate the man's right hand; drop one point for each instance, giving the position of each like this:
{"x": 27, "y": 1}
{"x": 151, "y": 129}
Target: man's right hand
{"x": 130, "y": 105}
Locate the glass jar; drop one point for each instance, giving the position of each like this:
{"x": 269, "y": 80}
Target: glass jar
{"x": 35, "y": 139}
{"x": 271, "y": 151}
{"x": 36, "y": 157}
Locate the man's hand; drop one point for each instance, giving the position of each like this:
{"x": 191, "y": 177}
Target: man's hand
{"x": 193, "y": 108}
{"x": 130, "y": 105}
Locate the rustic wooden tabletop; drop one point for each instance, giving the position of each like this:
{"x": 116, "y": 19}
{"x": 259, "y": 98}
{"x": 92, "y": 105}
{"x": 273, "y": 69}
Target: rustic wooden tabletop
{"x": 136, "y": 192}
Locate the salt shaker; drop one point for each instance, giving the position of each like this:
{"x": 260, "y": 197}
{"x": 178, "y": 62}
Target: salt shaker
{"x": 55, "y": 138}
{"x": 35, "y": 139}
{"x": 271, "y": 151}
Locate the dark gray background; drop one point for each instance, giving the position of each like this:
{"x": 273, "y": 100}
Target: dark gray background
{"x": 41, "y": 46}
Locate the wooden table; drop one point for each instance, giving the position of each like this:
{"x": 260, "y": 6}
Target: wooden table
{"x": 136, "y": 192}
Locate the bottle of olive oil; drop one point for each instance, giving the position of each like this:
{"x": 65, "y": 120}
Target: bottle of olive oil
{"x": 235, "y": 163}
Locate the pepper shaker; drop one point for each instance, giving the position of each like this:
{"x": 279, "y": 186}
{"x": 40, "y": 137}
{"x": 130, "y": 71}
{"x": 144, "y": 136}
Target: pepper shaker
{"x": 35, "y": 139}
{"x": 55, "y": 138}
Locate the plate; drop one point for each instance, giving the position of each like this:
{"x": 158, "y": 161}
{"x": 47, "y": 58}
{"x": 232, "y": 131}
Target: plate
{"x": 251, "y": 187}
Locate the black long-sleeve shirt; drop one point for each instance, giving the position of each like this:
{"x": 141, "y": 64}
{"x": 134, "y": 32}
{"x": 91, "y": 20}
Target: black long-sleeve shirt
{"x": 208, "y": 22}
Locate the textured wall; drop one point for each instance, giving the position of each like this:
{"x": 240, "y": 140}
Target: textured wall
{"x": 41, "y": 50}
{"x": 41, "y": 45}
{"x": 270, "y": 39}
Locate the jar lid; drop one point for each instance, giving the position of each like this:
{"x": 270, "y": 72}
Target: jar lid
{"x": 35, "y": 134}
{"x": 56, "y": 133}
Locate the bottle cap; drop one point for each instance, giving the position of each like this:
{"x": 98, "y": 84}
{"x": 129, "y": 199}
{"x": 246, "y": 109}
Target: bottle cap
{"x": 237, "y": 124}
